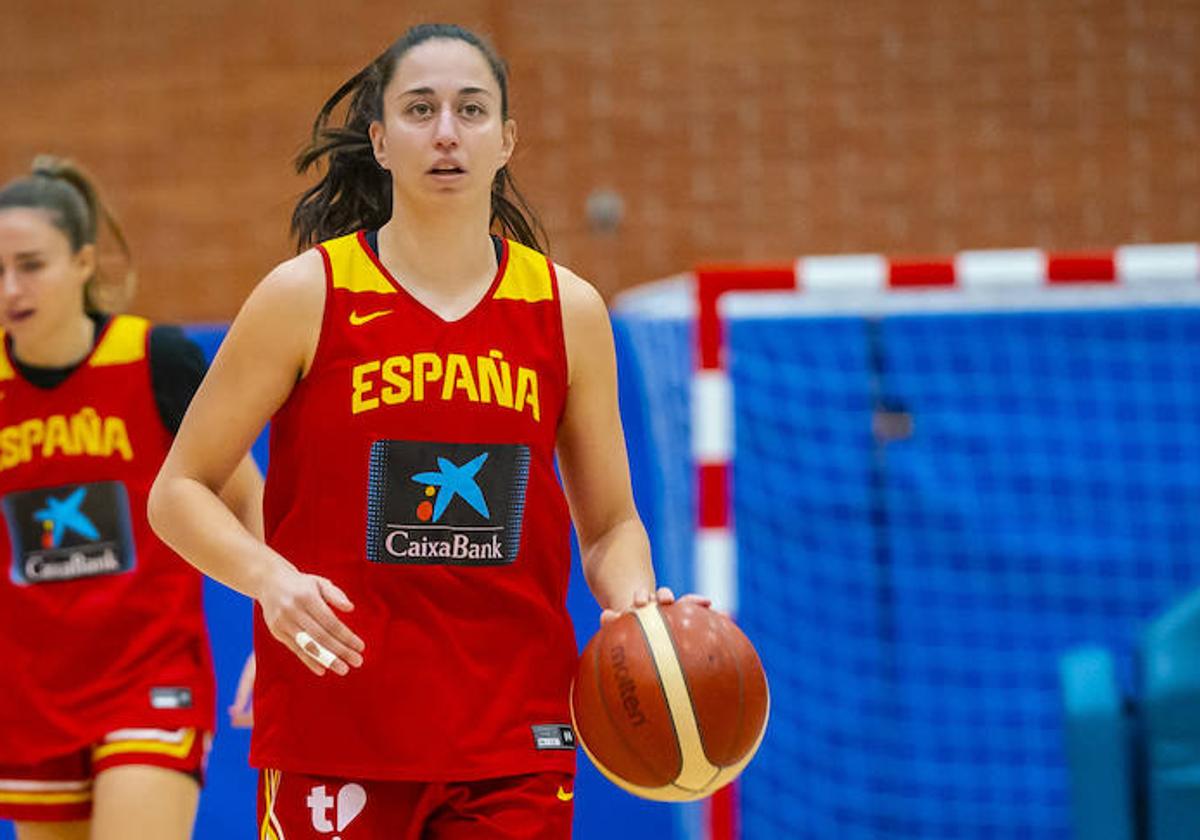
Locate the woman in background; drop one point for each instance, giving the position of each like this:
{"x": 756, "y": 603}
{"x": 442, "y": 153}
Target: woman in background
{"x": 107, "y": 706}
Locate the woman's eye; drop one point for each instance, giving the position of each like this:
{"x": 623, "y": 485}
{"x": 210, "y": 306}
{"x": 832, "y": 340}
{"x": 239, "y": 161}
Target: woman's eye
{"x": 472, "y": 109}
{"x": 420, "y": 109}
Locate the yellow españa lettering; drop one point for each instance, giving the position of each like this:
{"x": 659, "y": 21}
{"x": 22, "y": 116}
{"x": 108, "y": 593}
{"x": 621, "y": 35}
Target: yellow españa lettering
{"x": 398, "y": 389}
{"x": 527, "y": 392}
{"x": 484, "y": 379}
{"x": 358, "y": 399}
{"x": 85, "y": 430}
{"x": 58, "y": 436}
{"x": 116, "y": 439}
{"x": 83, "y": 433}
{"x": 458, "y": 375}
{"x": 495, "y": 378}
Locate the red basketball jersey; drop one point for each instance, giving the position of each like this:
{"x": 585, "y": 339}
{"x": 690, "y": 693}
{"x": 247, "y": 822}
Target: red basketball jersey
{"x": 414, "y": 467}
{"x": 101, "y": 625}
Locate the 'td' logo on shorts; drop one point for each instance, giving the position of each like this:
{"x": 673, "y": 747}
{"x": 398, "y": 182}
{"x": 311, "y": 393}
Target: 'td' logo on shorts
{"x": 69, "y": 532}
{"x": 452, "y": 503}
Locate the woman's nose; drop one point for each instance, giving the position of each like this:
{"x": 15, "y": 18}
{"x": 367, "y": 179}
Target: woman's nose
{"x": 8, "y": 282}
{"x": 446, "y": 131}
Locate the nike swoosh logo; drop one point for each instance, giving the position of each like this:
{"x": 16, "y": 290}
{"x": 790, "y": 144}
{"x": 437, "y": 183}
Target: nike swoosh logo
{"x": 357, "y": 320}
{"x": 563, "y": 796}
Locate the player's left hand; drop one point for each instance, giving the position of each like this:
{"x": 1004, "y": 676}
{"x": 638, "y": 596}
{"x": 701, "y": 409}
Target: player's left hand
{"x": 662, "y": 596}
{"x": 241, "y": 713}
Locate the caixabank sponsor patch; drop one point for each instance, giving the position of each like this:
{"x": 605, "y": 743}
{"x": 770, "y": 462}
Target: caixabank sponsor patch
{"x": 69, "y": 532}
{"x": 446, "y": 503}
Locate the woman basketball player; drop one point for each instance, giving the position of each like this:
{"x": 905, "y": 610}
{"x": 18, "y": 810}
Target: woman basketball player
{"x": 421, "y": 374}
{"x": 107, "y": 702}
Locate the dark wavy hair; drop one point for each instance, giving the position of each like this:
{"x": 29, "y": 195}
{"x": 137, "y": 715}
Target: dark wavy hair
{"x": 70, "y": 197}
{"x": 355, "y": 192}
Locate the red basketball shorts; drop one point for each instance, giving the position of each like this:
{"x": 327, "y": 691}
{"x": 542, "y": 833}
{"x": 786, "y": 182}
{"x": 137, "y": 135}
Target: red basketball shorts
{"x": 60, "y": 788}
{"x": 294, "y": 806}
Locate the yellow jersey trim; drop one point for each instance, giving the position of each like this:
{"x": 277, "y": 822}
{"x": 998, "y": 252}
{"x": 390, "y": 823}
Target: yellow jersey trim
{"x": 527, "y": 276}
{"x": 122, "y": 343}
{"x": 6, "y": 368}
{"x": 352, "y": 269}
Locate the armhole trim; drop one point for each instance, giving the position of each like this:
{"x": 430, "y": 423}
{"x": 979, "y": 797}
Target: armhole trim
{"x": 325, "y": 306}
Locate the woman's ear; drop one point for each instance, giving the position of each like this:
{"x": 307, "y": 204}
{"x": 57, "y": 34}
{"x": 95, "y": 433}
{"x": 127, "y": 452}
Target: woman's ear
{"x": 378, "y": 143}
{"x": 509, "y": 142}
{"x": 84, "y": 261}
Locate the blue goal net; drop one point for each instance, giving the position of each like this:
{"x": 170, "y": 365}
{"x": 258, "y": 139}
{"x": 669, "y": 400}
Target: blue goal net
{"x": 932, "y": 503}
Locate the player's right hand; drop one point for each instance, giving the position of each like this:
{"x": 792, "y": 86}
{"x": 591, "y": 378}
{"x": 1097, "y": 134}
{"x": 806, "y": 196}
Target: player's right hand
{"x": 298, "y": 604}
{"x": 663, "y": 595}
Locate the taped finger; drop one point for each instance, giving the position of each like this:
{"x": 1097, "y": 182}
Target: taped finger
{"x": 314, "y": 649}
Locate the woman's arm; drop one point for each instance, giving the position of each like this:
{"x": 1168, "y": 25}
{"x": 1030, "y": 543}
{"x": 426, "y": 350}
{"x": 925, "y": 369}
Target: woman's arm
{"x": 243, "y": 495}
{"x": 268, "y": 348}
{"x": 591, "y": 453}
{"x": 613, "y": 545}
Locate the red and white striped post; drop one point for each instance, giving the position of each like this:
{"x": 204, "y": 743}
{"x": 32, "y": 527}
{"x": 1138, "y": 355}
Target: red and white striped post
{"x": 712, "y": 396}
{"x": 712, "y": 449}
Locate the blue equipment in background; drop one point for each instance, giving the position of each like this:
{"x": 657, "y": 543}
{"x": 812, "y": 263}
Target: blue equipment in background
{"x": 931, "y": 505}
{"x": 1134, "y": 758}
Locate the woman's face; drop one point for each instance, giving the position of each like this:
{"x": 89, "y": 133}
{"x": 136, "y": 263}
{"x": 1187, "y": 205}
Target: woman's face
{"x": 41, "y": 279}
{"x": 442, "y": 132}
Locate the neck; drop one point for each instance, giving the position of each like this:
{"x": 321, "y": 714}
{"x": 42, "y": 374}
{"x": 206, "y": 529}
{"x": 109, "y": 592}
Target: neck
{"x": 444, "y": 253}
{"x": 65, "y": 345}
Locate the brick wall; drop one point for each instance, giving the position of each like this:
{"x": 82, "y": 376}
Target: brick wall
{"x": 759, "y": 129}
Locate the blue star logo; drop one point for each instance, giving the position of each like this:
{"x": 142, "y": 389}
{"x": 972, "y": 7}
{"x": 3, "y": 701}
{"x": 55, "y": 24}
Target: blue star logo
{"x": 65, "y": 515}
{"x": 454, "y": 480}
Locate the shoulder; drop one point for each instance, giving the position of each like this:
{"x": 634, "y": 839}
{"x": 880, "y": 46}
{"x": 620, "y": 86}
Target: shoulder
{"x": 303, "y": 274}
{"x": 293, "y": 289}
{"x": 586, "y": 326}
{"x": 282, "y": 316}
{"x": 580, "y": 299}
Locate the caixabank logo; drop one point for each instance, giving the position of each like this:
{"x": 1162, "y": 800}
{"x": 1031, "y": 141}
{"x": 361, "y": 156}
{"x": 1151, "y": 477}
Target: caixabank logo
{"x": 69, "y": 532}
{"x": 446, "y": 503}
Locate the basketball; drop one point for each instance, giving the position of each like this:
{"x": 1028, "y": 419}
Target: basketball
{"x": 670, "y": 702}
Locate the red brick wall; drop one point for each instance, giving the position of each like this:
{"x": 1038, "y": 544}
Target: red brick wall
{"x": 752, "y": 130}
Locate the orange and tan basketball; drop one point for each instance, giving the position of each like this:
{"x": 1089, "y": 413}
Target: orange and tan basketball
{"x": 670, "y": 703}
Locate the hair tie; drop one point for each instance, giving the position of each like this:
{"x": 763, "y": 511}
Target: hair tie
{"x": 47, "y": 167}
